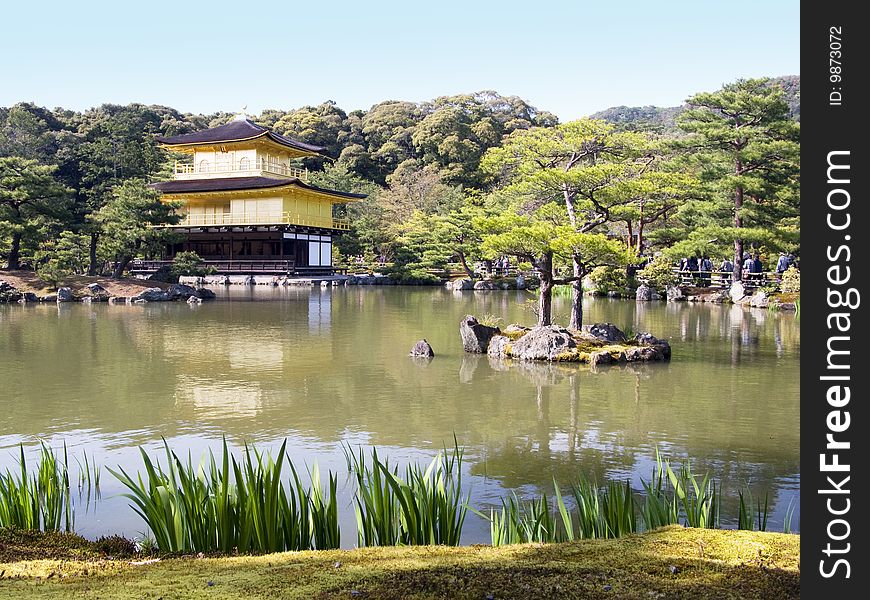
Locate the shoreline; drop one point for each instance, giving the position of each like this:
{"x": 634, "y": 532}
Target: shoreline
{"x": 671, "y": 562}
{"x": 26, "y": 287}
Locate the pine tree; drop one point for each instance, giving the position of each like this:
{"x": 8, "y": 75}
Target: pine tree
{"x": 747, "y": 151}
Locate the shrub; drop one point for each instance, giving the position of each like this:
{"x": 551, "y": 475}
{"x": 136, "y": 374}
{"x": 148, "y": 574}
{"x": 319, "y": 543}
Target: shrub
{"x": 658, "y": 274}
{"x": 190, "y": 263}
{"x": 608, "y": 279}
{"x": 791, "y": 281}
{"x": 53, "y": 273}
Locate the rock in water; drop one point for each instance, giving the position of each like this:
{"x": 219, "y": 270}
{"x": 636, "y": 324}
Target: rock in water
{"x": 475, "y": 336}
{"x": 736, "y": 291}
{"x": 675, "y": 293}
{"x": 600, "y": 358}
{"x": 459, "y": 285}
{"x": 152, "y": 295}
{"x": 644, "y": 293}
{"x": 759, "y": 300}
{"x": 180, "y": 291}
{"x": 422, "y": 348}
{"x": 543, "y": 343}
{"x": 606, "y": 332}
{"x": 648, "y": 340}
{"x": 64, "y": 294}
{"x": 205, "y": 293}
{"x": 498, "y": 346}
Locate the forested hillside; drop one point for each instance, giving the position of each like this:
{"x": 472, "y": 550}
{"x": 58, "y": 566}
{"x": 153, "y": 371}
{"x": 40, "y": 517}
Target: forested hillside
{"x": 664, "y": 119}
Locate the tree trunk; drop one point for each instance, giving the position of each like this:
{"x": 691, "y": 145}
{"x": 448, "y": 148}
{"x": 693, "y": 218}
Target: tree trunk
{"x": 738, "y": 223}
{"x": 576, "y": 320}
{"x": 545, "y": 295}
{"x": 92, "y": 254}
{"x": 465, "y": 267}
{"x": 13, "y": 261}
{"x": 120, "y": 266}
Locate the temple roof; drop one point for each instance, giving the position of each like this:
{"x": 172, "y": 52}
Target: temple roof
{"x": 227, "y": 184}
{"x": 236, "y": 130}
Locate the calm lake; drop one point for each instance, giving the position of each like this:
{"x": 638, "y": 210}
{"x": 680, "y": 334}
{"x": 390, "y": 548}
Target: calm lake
{"x": 327, "y": 367}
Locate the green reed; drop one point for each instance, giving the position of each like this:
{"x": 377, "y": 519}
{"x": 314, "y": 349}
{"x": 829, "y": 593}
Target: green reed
{"x": 423, "y": 507}
{"x": 752, "y": 514}
{"x": 612, "y": 510}
{"x": 233, "y": 504}
{"x": 39, "y": 500}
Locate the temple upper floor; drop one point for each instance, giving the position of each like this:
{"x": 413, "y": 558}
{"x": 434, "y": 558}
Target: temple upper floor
{"x": 239, "y": 148}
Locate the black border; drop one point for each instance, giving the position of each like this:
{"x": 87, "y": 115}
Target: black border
{"x": 826, "y": 128}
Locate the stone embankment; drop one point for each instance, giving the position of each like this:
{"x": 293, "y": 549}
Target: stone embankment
{"x": 466, "y": 284}
{"x": 596, "y": 344}
{"x": 737, "y": 293}
{"x": 94, "y": 292}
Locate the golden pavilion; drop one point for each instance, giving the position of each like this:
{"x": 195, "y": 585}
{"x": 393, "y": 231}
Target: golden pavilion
{"x": 245, "y": 207}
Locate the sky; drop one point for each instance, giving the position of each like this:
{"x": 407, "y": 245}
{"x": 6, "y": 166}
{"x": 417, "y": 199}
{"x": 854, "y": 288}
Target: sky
{"x": 571, "y": 58}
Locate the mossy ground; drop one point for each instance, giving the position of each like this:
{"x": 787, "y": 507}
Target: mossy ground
{"x": 668, "y": 563}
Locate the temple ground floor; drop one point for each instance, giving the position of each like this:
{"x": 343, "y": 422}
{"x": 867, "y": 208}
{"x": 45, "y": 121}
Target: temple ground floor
{"x": 261, "y": 249}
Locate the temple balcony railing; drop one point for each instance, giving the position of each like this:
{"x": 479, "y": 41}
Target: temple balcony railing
{"x": 244, "y": 219}
{"x": 243, "y": 167}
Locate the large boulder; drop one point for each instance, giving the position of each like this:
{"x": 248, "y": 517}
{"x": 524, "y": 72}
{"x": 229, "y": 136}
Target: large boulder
{"x": 737, "y": 291}
{"x": 486, "y": 285}
{"x": 8, "y": 293}
{"x": 759, "y": 300}
{"x": 65, "y": 294}
{"x": 600, "y": 358}
{"x": 422, "y": 349}
{"x": 98, "y": 292}
{"x": 644, "y": 354}
{"x": 498, "y": 346}
{"x": 475, "y": 335}
{"x": 606, "y": 332}
{"x": 644, "y": 293}
{"x": 205, "y": 293}
{"x": 549, "y": 342}
{"x": 151, "y": 295}
{"x": 647, "y": 340}
{"x": 675, "y": 293}
{"x": 458, "y": 285}
{"x": 180, "y": 291}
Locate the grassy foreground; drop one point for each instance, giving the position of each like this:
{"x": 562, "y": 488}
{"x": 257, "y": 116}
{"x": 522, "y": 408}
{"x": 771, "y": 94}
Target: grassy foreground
{"x": 671, "y": 562}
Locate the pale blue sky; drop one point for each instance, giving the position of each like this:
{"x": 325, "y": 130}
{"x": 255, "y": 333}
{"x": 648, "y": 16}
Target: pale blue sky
{"x": 572, "y": 58}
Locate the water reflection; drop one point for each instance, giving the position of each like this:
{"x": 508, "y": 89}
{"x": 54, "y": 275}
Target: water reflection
{"x": 324, "y": 367}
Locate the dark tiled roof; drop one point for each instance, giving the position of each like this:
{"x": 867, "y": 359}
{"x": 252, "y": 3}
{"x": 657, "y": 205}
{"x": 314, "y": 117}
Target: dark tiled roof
{"x": 235, "y": 131}
{"x": 226, "y": 184}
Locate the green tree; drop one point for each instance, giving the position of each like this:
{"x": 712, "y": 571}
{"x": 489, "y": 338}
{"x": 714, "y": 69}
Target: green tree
{"x": 432, "y": 241}
{"x": 747, "y": 150}
{"x": 588, "y": 167}
{"x": 29, "y": 195}
{"x": 545, "y": 239}
{"x": 126, "y": 223}
{"x": 117, "y": 143}
{"x": 61, "y": 257}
